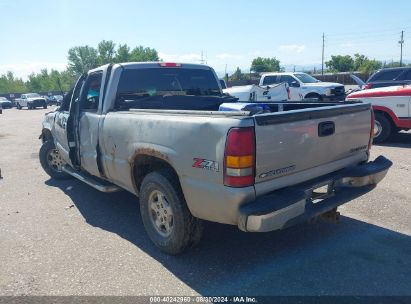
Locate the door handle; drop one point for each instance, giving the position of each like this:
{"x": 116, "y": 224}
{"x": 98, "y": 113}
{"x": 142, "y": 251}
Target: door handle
{"x": 326, "y": 128}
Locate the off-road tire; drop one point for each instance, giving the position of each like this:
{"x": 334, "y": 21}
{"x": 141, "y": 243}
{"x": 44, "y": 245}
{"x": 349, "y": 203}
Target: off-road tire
{"x": 43, "y": 155}
{"x": 187, "y": 230}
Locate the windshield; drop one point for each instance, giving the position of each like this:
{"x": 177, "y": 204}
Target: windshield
{"x": 169, "y": 88}
{"x": 32, "y": 95}
{"x": 305, "y": 78}
{"x": 3, "y": 98}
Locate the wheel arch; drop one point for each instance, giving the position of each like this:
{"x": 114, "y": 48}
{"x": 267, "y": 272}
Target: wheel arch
{"x": 46, "y": 135}
{"x": 144, "y": 164}
{"x": 313, "y": 95}
{"x": 387, "y": 114}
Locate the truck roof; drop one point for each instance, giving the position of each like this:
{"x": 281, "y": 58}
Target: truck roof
{"x": 154, "y": 64}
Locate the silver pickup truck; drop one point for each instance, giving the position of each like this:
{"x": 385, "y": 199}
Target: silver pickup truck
{"x": 154, "y": 129}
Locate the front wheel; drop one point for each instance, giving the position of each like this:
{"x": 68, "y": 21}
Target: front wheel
{"x": 51, "y": 161}
{"x": 165, "y": 214}
{"x": 382, "y": 128}
{"x": 44, "y": 106}
{"x": 18, "y": 106}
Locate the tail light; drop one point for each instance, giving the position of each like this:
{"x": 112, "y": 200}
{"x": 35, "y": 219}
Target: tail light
{"x": 368, "y": 86}
{"x": 372, "y": 129}
{"x": 239, "y": 157}
{"x": 169, "y": 65}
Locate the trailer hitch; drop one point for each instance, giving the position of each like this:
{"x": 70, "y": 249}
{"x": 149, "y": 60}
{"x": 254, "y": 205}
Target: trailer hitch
{"x": 332, "y": 216}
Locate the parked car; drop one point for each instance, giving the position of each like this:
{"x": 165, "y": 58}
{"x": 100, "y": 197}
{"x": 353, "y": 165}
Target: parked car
{"x": 31, "y": 101}
{"x": 256, "y": 93}
{"x": 58, "y": 99}
{"x": 392, "y": 108}
{"x": 5, "y": 103}
{"x": 304, "y": 86}
{"x": 156, "y": 132}
{"x": 389, "y": 77}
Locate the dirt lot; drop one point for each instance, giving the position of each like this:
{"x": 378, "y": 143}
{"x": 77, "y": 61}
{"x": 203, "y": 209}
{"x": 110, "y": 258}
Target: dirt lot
{"x": 64, "y": 238}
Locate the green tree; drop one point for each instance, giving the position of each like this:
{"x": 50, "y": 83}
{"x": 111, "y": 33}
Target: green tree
{"x": 11, "y": 84}
{"x": 123, "y": 53}
{"x": 106, "y": 52}
{"x": 261, "y": 64}
{"x": 359, "y": 60}
{"x": 82, "y": 58}
{"x": 365, "y": 65}
{"x": 141, "y": 53}
{"x": 392, "y": 64}
{"x": 340, "y": 63}
{"x": 237, "y": 75}
{"x": 370, "y": 66}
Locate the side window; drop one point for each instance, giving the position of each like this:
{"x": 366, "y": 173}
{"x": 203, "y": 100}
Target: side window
{"x": 406, "y": 75}
{"x": 270, "y": 80}
{"x": 387, "y": 75}
{"x": 288, "y": 79}
{"x": 91, "y": 92}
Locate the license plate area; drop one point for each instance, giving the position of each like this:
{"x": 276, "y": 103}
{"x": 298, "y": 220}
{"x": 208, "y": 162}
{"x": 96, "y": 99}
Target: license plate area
{"x": 321, "y": 192}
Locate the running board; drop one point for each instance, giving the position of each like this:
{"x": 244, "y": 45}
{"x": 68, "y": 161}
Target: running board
{"x": 92, "y": 181}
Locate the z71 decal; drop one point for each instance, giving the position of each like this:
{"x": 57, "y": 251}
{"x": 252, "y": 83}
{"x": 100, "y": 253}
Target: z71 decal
{"x": 205, "y": 164}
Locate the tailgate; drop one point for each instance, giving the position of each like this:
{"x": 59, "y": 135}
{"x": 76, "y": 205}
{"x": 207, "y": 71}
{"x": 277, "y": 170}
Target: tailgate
{"x": 303, "y": 141}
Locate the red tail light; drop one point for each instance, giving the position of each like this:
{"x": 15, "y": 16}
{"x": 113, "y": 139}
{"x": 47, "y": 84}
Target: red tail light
{"x": 372, "y": 129}
{"x": 169, "y": 64}
{"x": 368, "y": 86}
{"x": 239, "y": 157}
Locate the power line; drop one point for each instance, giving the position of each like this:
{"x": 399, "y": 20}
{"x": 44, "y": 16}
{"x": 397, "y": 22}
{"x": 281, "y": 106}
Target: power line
{"x": 370, "y": 32}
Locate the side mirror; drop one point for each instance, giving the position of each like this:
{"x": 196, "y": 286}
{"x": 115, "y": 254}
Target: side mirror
{"x": 295, "y": 84}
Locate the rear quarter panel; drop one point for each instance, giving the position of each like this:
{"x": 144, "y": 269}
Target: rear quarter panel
{"x": 178, "y": 140}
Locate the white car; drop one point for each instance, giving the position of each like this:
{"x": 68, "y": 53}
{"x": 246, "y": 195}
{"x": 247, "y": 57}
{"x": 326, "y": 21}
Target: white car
{"x": 304, "y": 86}
{"x": 31, "y": 101}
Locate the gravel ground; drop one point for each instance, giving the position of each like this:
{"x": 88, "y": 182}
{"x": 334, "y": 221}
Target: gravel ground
{"x": 65, "y": 238}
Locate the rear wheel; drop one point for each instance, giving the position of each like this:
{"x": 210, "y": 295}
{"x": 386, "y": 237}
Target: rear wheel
{"x": 45, "y": 106}
{"x": 51, "y": 161}
{"x": 382, "y": 128}
{"x": 165, "y": 214}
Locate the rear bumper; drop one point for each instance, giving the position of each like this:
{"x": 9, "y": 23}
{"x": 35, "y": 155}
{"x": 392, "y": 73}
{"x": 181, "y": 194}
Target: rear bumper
{"x": 292, "y": 205}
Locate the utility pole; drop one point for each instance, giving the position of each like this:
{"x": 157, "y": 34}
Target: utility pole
{"x": 401, "y": 42}
{"x": 322, "y": 59}
{"x": 202, "y": 57}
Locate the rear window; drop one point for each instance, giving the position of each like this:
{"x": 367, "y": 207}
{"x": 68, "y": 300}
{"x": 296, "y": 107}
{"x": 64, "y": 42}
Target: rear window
{"x": 168, "y": 81}
{"x": 270, "y": 80}
{"x": 170, "y": 89}
{"x": 386, "y": 75}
